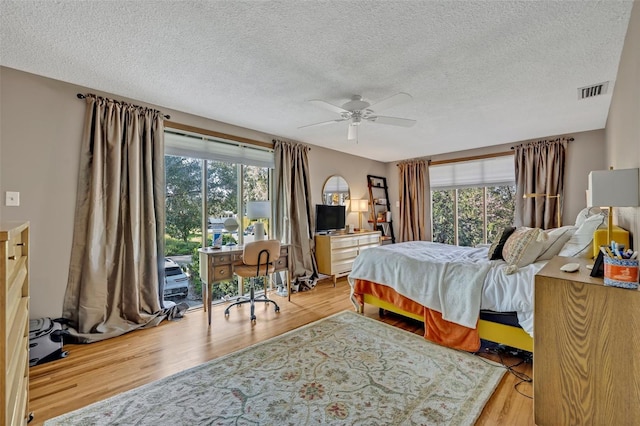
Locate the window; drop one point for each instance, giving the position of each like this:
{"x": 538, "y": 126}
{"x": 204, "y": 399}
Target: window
{"x": 208, "y": 182}
{"x": 472, "y": 200}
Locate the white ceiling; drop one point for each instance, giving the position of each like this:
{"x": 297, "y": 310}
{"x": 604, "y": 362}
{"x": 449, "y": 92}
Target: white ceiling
{"x": 481, "y": 73}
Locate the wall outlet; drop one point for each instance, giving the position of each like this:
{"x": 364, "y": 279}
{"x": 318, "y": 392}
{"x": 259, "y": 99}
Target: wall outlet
{"x": 13, "y": 198}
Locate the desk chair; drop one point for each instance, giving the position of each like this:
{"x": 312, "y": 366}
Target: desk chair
{"x": 258, "y": 259}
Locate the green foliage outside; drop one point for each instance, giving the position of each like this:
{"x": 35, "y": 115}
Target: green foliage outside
{"x": 177, "y": 247}
{"x": 500, "y": 207}
{"x": 184, "y": 208}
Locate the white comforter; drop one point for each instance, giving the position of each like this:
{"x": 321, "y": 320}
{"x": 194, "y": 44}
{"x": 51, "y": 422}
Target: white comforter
{"x": 455, "y": 281}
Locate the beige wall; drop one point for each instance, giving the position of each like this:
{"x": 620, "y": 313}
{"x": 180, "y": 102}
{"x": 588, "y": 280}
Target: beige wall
{"x": 623, "y": 124}
{"x": 584, "y": 154}
{"x": 41, "y": 128}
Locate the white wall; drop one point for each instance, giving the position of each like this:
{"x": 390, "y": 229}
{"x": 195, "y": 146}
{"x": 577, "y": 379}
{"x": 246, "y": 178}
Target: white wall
{"x": 623, "y": 123}
{"x": 40, "y": 136}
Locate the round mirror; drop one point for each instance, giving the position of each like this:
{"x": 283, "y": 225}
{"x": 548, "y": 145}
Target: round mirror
{"x": 335, "y": 191}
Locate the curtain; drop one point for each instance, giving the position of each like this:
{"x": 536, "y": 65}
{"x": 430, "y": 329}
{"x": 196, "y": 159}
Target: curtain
{"x": 539, "y": 170}
{"x": 294, "y": 208}
{"x": 116, "y": 272}
{"x": 415, "y": 222}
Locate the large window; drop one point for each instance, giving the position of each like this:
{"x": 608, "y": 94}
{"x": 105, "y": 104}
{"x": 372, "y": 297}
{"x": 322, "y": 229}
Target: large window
{"x": 208, "y": 184}
{"x": 472, "y": 200}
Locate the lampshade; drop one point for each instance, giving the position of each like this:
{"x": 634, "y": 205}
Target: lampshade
{"x": 613, "y": 188}
{"x": 258, "y": 209}
{"x": 359, "y": 205}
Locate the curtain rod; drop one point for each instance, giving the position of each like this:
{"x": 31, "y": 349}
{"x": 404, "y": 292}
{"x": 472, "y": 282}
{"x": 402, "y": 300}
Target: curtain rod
{"x": 546, "y": 140}
{"x": 83, "y": 96}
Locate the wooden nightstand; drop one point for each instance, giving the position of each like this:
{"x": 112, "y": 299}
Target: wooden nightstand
{"x": 586, "y": 349}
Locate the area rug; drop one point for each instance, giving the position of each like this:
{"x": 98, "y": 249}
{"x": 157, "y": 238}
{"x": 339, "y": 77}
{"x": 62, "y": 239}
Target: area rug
{"x": 344, "y": 369}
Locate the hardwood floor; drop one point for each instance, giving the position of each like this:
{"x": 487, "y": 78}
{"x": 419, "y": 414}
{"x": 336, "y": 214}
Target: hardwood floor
{"x": 97, "y": 371}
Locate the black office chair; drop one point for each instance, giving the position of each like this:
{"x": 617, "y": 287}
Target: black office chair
{"x": 258, "y": 259}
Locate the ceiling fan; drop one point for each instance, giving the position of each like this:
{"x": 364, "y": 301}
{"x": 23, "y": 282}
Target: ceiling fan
{"x": 358, "y": 110}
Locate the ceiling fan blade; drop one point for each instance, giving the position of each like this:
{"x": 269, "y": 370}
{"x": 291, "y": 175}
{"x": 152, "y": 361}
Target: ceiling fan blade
{"x": 323, "y": 123}
{"x": 353, "y": 132}
{"x": 394, "y": 121}
{"x": 393, "y": 100}
{"x": 326, "y": 105}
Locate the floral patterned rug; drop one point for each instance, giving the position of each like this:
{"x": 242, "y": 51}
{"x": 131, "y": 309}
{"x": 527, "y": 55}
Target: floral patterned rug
{"x": 344, "y": 369}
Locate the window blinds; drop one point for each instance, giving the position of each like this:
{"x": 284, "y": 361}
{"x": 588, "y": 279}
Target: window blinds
{"x": 496, "y": 171}
{"x": 186, "y": 145}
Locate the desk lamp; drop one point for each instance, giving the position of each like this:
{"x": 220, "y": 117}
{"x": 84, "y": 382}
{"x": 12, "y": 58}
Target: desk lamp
{"x": 257, "y": 210}
{"x": 613, "y": 188}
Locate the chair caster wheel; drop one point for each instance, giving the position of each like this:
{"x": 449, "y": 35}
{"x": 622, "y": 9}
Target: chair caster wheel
{"x": 277, "y": 309}
{"x": 253, "y": 319}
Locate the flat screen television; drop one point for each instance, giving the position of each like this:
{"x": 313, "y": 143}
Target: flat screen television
{"x": 330, "y": 218}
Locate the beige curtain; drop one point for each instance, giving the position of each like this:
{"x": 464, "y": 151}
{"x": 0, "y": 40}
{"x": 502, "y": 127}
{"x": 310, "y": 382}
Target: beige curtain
{"x": 415, "y": 217}
{"x": 539, "y": 170}
{"x": 116, "y": 270}
{"x": 295, "y": 217}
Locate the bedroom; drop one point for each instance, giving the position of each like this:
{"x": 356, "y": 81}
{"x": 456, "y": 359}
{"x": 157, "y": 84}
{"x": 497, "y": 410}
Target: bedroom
{"x": 40, "y": 161}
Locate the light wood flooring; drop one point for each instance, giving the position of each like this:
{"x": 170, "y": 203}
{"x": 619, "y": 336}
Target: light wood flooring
{"x": 97, "y": 371}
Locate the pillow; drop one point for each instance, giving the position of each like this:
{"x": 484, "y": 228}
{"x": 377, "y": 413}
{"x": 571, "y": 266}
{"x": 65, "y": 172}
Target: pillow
{"x": 579, "y": 245}
{"x": 586, "y": 213}
{"x": 522, "y": 248}
{"x": 495, "y": 251}
{"x": 556, "y": 239}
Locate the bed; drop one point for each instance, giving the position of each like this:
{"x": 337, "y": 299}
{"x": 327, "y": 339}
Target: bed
{"x": 461, "y": 295}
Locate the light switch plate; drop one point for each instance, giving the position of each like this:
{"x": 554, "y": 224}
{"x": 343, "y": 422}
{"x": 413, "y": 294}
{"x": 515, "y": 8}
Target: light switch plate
{"x": 13, "y": 198}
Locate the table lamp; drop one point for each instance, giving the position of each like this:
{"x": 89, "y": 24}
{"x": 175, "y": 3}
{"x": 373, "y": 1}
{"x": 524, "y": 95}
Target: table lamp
{"x": 557, "y": 197}
{"x": 359, "y": 206}
{"x": 257, "y": 210}
{"x": 613, "y": 188}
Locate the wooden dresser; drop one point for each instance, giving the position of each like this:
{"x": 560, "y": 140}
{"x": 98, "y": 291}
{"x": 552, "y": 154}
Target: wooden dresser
{"x": 14, "y": 322}
{"x": 586, "y": 349}
{"x": 335, "y": 253}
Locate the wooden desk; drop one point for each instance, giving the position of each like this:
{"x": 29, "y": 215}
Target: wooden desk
{"x": 216, "y": 265}
{"x": 586, "y": 345}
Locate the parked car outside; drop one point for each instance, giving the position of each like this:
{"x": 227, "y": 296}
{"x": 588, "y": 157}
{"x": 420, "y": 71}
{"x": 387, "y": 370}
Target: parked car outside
{"x": 176, "y": 283}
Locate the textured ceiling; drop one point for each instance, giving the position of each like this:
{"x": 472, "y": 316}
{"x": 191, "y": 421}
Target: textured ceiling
{"x": 480, "y": 73}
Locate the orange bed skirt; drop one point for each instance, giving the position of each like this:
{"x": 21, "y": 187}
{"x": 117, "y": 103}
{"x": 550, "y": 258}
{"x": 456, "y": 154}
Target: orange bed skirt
{"x": 436, "y": 329}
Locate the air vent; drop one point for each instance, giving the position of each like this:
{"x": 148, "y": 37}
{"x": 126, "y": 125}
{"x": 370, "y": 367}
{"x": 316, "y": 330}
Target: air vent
{"x": 593, "y": 90}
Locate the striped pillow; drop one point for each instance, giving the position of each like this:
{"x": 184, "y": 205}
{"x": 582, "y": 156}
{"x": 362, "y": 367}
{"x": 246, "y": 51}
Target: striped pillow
{"x": 523, "y": 247}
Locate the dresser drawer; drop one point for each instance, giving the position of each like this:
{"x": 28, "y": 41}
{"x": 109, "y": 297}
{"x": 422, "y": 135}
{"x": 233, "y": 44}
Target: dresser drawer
{"x": 344, "y": 254}
{"x": 222, "y": 272}
{"x": 342, "y": 242}
{"x": 373, "y": 240}
{"x": 281, "y": 263}
{"x": 221, "y": 259}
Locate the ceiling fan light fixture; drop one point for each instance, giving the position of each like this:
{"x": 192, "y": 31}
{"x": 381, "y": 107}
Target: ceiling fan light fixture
{"x": 357, "y": 110}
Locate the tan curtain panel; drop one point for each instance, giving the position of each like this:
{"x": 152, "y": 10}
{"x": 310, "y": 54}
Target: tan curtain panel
{"x": 117, "y": 270}
{"x": 415, "y": 222}
{"x": 539, "y": 170}
{"x": 295, "y": 217}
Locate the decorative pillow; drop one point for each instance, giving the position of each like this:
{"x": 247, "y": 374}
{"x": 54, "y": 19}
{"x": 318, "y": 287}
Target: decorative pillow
{"x": 523, "y": 247}
{"x": 495, "y": 251}
{"x": 556, "y": 239}
{"x": 580, "y": 244}
{"x": 586, "y": 213}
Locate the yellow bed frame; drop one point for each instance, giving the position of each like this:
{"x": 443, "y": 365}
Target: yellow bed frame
{"x": 507, "y": 335}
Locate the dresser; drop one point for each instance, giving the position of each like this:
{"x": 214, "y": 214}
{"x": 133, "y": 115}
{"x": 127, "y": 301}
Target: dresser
{"x": 586, "y": 349}
{"x": 14, "y": 322}
{"x": 335, "y": 253}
